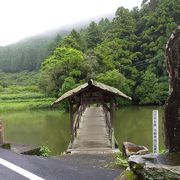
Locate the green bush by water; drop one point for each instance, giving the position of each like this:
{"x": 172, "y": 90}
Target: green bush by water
{"x": 127, "y": 175}
{"x": 120, "y": 161}
{"x": 44, "y": 151}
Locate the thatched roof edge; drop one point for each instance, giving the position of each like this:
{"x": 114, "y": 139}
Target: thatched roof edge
{"x": 80, "y": 88}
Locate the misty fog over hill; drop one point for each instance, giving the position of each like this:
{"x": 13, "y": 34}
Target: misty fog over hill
{"x": 28, "y": 53}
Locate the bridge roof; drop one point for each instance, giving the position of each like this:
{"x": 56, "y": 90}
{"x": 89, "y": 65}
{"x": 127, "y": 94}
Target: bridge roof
{"x": 86, "y": 86}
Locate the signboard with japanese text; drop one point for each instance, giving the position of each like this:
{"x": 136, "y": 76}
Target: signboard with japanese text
{"x": 155, "y": 132}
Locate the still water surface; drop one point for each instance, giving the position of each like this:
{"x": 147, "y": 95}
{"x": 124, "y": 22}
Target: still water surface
{"x": 51, "y": 128}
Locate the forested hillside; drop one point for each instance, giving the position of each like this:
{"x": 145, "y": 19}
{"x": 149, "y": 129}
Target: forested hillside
{"x": 127, "y": 52}
{"x": 28, "y": 54}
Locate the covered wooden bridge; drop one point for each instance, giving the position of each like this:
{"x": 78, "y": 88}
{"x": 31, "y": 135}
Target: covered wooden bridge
{"x": 91, "y": 117}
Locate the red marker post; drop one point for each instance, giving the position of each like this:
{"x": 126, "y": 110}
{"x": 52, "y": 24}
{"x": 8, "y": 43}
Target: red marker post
{"x": 1, "y": 132}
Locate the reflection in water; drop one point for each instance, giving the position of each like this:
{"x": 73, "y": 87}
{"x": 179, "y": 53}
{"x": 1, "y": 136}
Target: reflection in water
{"x": 52, "y": 129}
{"x": 134, "y": 124}
{"x": 49, "y": 128}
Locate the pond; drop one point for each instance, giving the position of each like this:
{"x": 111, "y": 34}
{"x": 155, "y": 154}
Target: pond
{"x": 43, "y": 127}
{"x": 134, "y": 124}
{"x": 51, "y": 127}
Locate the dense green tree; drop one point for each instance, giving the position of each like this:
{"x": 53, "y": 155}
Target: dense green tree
{"x": 115, "y": 55}
{"x": 93, "y": 36}
{"x": 154, "y": 28}
{"x": 115, "y": 79}
{"x": 151, "y": 90}
{"x": 54, "y": 44}
{"x": 123, "y": 25}
{"x": 65, "y": 62}
{"x": 76, "y": 36}
{"x": 68, "y": 84}
{"x": 143, "y": 2}
{"x": 70, "y": 41}
{"x": 73, "y": 40}
{"x": 104, "y": 24}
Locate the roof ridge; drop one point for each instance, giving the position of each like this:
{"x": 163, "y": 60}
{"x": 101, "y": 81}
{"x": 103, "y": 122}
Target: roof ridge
{"x": 91, "y": 82}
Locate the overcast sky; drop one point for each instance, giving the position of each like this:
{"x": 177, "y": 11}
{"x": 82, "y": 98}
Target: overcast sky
{"x": 23, "y": 18}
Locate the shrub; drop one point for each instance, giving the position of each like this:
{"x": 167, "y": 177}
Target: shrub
{"x": 120, "y": 162}
{"x": 44, "y": 151}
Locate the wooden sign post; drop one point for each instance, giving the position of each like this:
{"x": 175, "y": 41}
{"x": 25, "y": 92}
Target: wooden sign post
{"x": 155, "y": 132}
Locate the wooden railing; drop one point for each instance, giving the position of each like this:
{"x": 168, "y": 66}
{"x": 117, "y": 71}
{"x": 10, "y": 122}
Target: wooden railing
{"x": 77, "y": 118}
{"x": 108, "y": 121}
{"x": 77, "y": 114}
{"x": 109, "y": 126}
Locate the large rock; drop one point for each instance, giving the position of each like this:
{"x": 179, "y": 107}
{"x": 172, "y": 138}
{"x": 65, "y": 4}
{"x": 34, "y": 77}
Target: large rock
{"x": 172, "y": 109}
{"x": 132, "y": 149}
{"x": 149, "y": 167}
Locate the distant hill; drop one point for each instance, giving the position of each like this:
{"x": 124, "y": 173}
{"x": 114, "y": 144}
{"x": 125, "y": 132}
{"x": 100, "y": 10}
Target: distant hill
{"x": 28, "y": 53}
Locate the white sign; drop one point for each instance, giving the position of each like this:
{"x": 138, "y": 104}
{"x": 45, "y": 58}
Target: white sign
{"x": 155, "y": 132}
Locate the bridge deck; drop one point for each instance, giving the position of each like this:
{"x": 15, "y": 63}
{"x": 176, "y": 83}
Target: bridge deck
{"x": 92, "y": 134}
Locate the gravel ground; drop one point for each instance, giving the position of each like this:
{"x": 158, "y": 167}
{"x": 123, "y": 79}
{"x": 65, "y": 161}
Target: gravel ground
{"x": 92, "y": 160}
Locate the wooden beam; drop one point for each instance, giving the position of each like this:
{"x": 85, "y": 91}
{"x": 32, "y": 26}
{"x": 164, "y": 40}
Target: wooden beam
{"x": 76, "y": 108}
{"x": 105, "y": 105}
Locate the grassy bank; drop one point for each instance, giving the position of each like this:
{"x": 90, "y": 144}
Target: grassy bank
{"x": 20, "y": 91}
{"x": 23, "y": 98}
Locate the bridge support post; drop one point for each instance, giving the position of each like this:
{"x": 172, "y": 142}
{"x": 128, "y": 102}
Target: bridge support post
{"x": 71, "y": 119}
{"x": 113, "y": 139}
{"x": 112, "y": 122}
{"x": 112, "y": 112}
